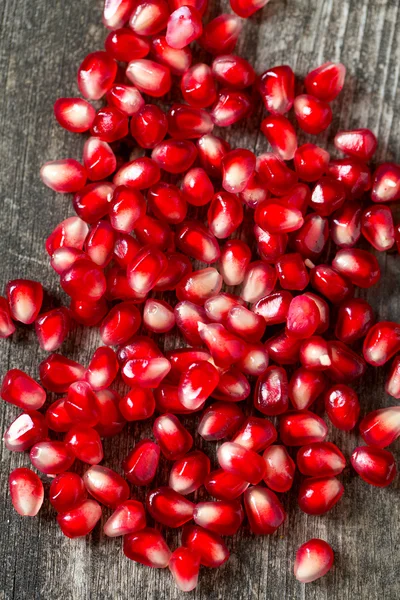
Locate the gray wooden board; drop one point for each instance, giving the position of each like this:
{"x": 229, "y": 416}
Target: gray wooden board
{"x": 41, "y": 44}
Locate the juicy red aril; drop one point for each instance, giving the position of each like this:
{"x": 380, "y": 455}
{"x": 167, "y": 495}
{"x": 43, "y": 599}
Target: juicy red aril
{"x": 321, "y": 459}
{"x": 255, "y": 434}
{"x": 275, "y": 218}
{"x": 51, "y": 458}
{"x": 145, "y": 269}
{"x": 186, "y": 122}
{"x": 109, "y": 125}
{"x": 327, "y": 196}
{"x": 197, "y": 383}
{"x": 281, "y": 135}
{"x": 242, "y": 462}
{"x": 317, "y": 495}
{"x": 121, "y": 323}
{"x": 220, "y": 420}
{"x": 360, "y": 143}
{"x": 264, "y": 511}
{"x": 99, "y": 159}
{"x": 52, "y": 328}
{"x": 85, "y": 444}
{"x": 354, "y": 319}
{"x": 381, "y": 427}
{"x": 292, "y": 272}
{"x": 149, "y": 126}
{"x": 116, "y": 12}
{"x": 346, "y": 225}
{"x": 174, "y": 439}
{"x": 302, "y": 427}
{"x": 246, "y": 8}
{"x": 311, "y": 162}
{"x": 84, "y": 280}
{"x": 183, "y": 27}
{"x": 359, "y": 266}
{"x": 374, "y": 465}
{"x": 386, "y": 183}
{"x": 276, "y": 87}
{"x": 237, "y": 168}
{"x": 313, "y": 115}
{"x": 66, "y": 492}
{"x": 167, "y": 202}
{"x": 197, "y": 287}
{"x": 305, "y": 386}
{"x": 225, "y": 348}
{"x": 139, "y": 347}
{"x": 234, "y": 260}
{"x": 225, "y": 486}
{"x": 221, "y": 34}
{"x": 149, "y": 17}
{"x": 106, "y": 486}
{"x": 158, "y": 316}
{"x": 217, "y": 307}
{"x": 353, "y": 174}
{"x": 140, "y": 466}
{"x": 280, "y": 469}
{"x": 233, "y": 71}
{"x": 20, "y": 389}
{"x": 196, "y": 240}
{"x": 200, "y": 5}
{"x": 346, "y": 365}
{"x": 57, "y": 417}
{"x": 70, "y": 233}
{"x": 110, "y": 420}
{"x": 271, "y": 393}
{"x": 392, "y": 385}
{"x": 311, "y": 238}
{"x": 7, "y": 326}
{"x": 124, "y": 45}
{"x": 182, "y": 358}
{"x": 177, "y": 60}
{"x": 222, "y": 517}
{"x": 230, "y": 107}
{"x": 174, "y": 156}
{"x": 208, "y": 545}
{"x": 245, "y": 324}
{"x": 25, "y": 299}
{"x": 313, "y": 560}
{"x": 26, "y": 491}
{"x": 81, "y": 404}
{"x": 127, "y": 518}
{"x": 326, "y": 82}
{"x": 168, "y": 507}
{"x": 178, "y": 266}
{"x": 189, "y": 473}
{"x": 342, "y": 407}
{"x": 27, "y": 429}
{"x": 283, "y": 349}
{"x": 149, "y": 77}
{"x": 127, "y": 207}
{"x": 255, "y": 191}
{"x": 137, "y": 405}
{"x": 377, "y": 227}
{"x": 64, "y": 176}
{"x": 188, "y": 316}
{"x": 81, "y": 520}
{"x": 198, "y": 86}
{"x": 381, "y": 343}
{"x": 330, "y": 283}
{"x": 88, "y": 313}
{"x": 184, "y": 565}
{"x": 96, "y": 75}
{"x": 145, "y": 372}
{"x": 74, "y": 114}
{"x": 147, "y": 547}
{"x": 232, "y": 387}
{"x": 99, "y": 244}
{"x": 274, "y": 308}
{"x": 303, "y": 317}
{"x": 211, "y": 150}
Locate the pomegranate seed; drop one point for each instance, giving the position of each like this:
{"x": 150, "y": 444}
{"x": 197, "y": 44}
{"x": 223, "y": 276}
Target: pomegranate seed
{"x": 303, "y": 317}
{"x": 21, "y": 390}
{"x": 140, "y": 174}
{"x": 271, "y": 393}
{"x": 127, "y": 518}
{"x": 237, "y": 169}
{"x": 208, "y": 545}
{"x": 27, "y": 429}
{"x": 255, "y": 434}
{"x": 185, "y": 566}
{"x": 305, "y": 387}
{"x": 264, "y": 511}
{"x": 174, "y": 440}
{"x": 57, "y": 417}
{"x": 81, "y": 404}
{"x": 110, "y": 421}
{"x": 51, "y": 458}
{"x": 245, "y": 9}
{"x": 103, "y": 369}
{"x": 88, "y": 313}
{"x": 167, "y": 203}
{"x": 74, "y": 114}
{"x": 137, "y": 405}
{"x": 230, "y": 107}
{"x": 116, "y": 12}
{"x": 178, "y": 266}
{"x": 85, "y": 444}
{"x": 313, "y": 560}
{"x": 149, "y": 126}
{"x": 292, "y": 272}
{"x": 315, "y": 354}
{"x": 186, "y": 122}
{"x": 378, "y": 228}
{"x": 175, "y": 156}
{"x": 66, "y": 492}
{"x": 25, "y": 299}
{"x": 222, "y": 517}
{"x": 346, "y": 365}
{"x": 311, "y": 162}
{"x": 232, "y": 387}
{"x": 145, "y": 269}
{"x": 381, "y": 427}
{"x": 99, "y": 159}
{"x": 382, "y": 342}
{"x": 121, "y": 323}
{"x": 7, "y": 327}
{"x": 322, "y": 459}
{"x": 197, "y": 383}
{"x": 182, "y": 358}
{"x": 280, "y": 469}
{"x": 359, "y": 143}
{"x": 139, "y": 347}
{"x": 242, "y": 462}
{"x": 198, "y": 86}
{"x": 274, "y": 308}
{"x": 346, "y": 225}
{"x": 124, "y": 45}
{"x": 224, "y": 485}
{"x": 188, "y": 316}
{"x": 233, "y": 71}
{"x": 275, "y": 218}
{"x": 149, "y": 17}
{"x": 270, "y": 246}
{"x": 211, "y": 151}
{"x": 217, "y": 308}
{"x": 276, "y": 87}
{"x": 392, "y": 386}
{"x": 177, "y": 60}
{"x": 220, "y": 420}
{"x": 326, "y": 82}
{"x": 281, "y": 135}
{"x": 127, "y": 207}
{"x": 374, "y": 465}
{"x": 353, "y": 174}
{"x": 96, "y": 75}
{"x": 234, "y": 261}
{"x": 147, "y": 547}
{"x": 225, "y": 348}
{"x": 327, "y": 196}
{"x": 140, "y": 466}
{"x": 386, "y": 183}
{"x": 145, "y": 372}
{"x": 245, "y": 324}
{"x": 167, "y": 400}
{"x": 331, "y": 284}
{"x": 26, "y": 491}
{"x": 189, "y": 473}
{"x": 255, "y": 191}
{"x": 225, "y": 214}
{"x": 81, "y": 520}
{"x": 52, "y": 328}
{"x": 168, "y": 507}
{"x": 323, "y": 312}
{"x": 282, "y": 349}
{"x": 317, "y": 495}
{"x": 359, "y": 266}
{"x": 221, "y": 34}
{"x": 158, "y": 316}
{"x": 184, "y": 26}
{"x": 149, "y": 77}
{"x": 109, "y": 125}
{"x": 313, "y": 114}
{"x": 70, "y": 233}
{"x": 197, "y": 287}
{"x": 195, "y": 240}
{"x": 354, "y": 319}
{"x": 100, "y": 243}
{"x": 84, "y": 280}
{"x": 106, "y": 486}
{"x": 259, "y": 281}
{"x": 200, "y": 5}
{"x": 302, "y": 427}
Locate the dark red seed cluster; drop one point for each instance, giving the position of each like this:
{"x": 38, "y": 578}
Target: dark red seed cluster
{"x": 142, "y": 219}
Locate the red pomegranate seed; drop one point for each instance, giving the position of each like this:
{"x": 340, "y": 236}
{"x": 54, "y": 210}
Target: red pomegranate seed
{"x": 346, "y": 225}
{"x": 280, "y": 470}
{"x": 386, "y": 183}
{"x": 64, "y": 176}
{"x": 70, "y": 233}
{"x": 330, "y": 284}
{"x": 182, "y": 358}
{"x": 225, "y": 486}
{"x": 220, "y": 420}
{"x": 346, "y": 365}
{"x": 178, "y": 266}
{"x": 81, "y": 520}
{"x": 196, "y": 384}
{"x": 275, "y": 218}
{"x": 65, "y": 257}
{"x": 245, "y": 9}
{"x": 276, "y": 87}
{"x": 188, "y": 316}
{"x": 127, "y": 518}
{"x": 221, "y": 34}
{"x": 26, "y": 491}
{"x": 374, "y": 465}
{"x": 302, "y": 427}
{"x": 145, "y": 372}
{"x": 255, "y": 434}
{"x": 110, "y": 421}
{"x": 197, "y": 287}
{"x": 353, "y": 175}
{"x": 149, "y": 17}
{"x": 217, "y": 308}
{"x": 359, "y": 143}
{"x": 313, "y": 560}
{"x": 230, "y": 107}
{"x": 264, "y": 511}
{"x": 381, "y": 427}
{"x": 378, "y": 228}
{"x": 140, "y": 466}
{"x": 359, "y": 266}
{"x": 271, "y": 393}
{"x": 282, "y": 349}
{"x": 167, "y": 400}
{"x": 149, "y": 77}
{"x": 121, "y": 323}
{"x": 145, "y": 269}
{"x": 183, "y": 27}
{"x": 99, "y": 243}
{"x": 127, "y": 207}
{"x": 96, "y": 75}
{"x": 198, "y": 86}
{"x": 392, "y": 385}
{"x": 222, "y": 517}
{"x": 116, "y": 12}
{"x": 382, "y": 342}
{"x": 235, "y": 258}
{"x": 189, "y": 473}
{"x": 245, "y": 324}
{"x": 167, "y": 202}
{"x": 323, "y": 312}
{"x": 237, "y": 169}
{"x": 241, "y": 461}
{"x": 208, "y": 545}
{"x": 168, "y": 507}
{"x": 124, "y": 45}
{"x": 51, "y": 458}
{"x": 281, "y": 135}
{"x": 175, "y": 156}
{"x": 139, "y": 174}
{"x": 147, "y": 547}
{"x": 322, "y": 459}
{"x": 274, "y": 308}
{"x": 137, "y": 405}
{"x": 177, "y": 60}
{"x": 327, "y": 196}
{"x": 106, "y": 486}
{"x": 326, "y": 82}
{"x": 184, "y": 565}
{"x": 81, "y": 404}
{"x": 158, "y": 316}
{"x": 255, "y": 192}
{"x": 233, "y": 71}
{"x": 354, "y": 319}
{"x": 57, "y": 417}
{"x": 313, "y": 115}
{"x": 174, "y": 439}
{"x": 25, "y": 299}
{"x": 52, "y": 328}
{"x": 84, "y": 280}
{"x": 211, "y": 150}
{"x": 317, "y": 495}
{"x": 311, "y": 162}
{"x": 186, "y": 122}
{"x": 27, "y": 429}
{"x": 196, "y": 240}
{"x": 21, "y": 390}
{"x": 85, "y": 444}
{"x": 66, "y": 492}
{"x": 314, "y": 353}
{"x": 99, "y": 159}
{"x": 232, "y": 387}
{"x": 292, "y": 272}
{"x": 88, "y": 313}
{"x": 305, "y": 386}
{"x": 270, "y": 246}
{"x": 139, "y": 347}
{"x": 259, "y": 281}
{"x": 103, "y": 369}
{"x": 303, "y": 317}
{"x": 200, "y": 5}
{"x": 7, "y": 327}
{"x": 225, "y": 348}
{"x": 74, "y": 114}
{"x": 149, "y": 126}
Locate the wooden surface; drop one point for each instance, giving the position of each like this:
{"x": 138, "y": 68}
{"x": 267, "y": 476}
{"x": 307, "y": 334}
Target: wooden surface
{"x": 41, "y": 44}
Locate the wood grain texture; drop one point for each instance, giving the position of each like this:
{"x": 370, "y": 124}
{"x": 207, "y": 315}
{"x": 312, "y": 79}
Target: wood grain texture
{"x": 41, "y": 45}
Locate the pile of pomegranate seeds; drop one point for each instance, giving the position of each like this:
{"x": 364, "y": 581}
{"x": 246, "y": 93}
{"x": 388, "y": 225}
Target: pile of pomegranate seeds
{"x": 154, "y": 192}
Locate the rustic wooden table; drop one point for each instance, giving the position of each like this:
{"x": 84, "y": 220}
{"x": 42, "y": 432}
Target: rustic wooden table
{"x": 41, "y": 45}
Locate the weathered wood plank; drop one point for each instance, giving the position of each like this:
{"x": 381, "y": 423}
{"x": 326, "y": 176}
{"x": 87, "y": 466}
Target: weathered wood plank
{"x": 41, "y": 45}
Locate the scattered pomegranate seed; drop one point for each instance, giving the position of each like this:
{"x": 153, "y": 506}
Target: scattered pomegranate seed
{"x": 198, "y": 86}
{"x": 318, "y": 495}
{"x": 220, "y": 420}
{"x": 392, "y": 386}
{"x": 322, "y": 459}
{"x": 386, "y": 183}
{"x": 106, "y": 486}
{"x": 377, "y": 227}
{"x": 276, "y": 87}
{"x": 174, "y": 440}
{"x": 51, "y": 458}
{"x": 326, "y": 82}
{"x": 74, "y": 114}
{"x": 354, "y": 319}
{"x": 313, "y": 115}
{"x": 280, "y": 470}
{"x": 128, "y": 517}
{"x": 281, "y": 135}
{"x": 149, "y": 17}
{"x": 81, "y": 520}
{"x": 26, "y": 491}
{"x": 141, "y": 464}
{"x": 25, "y": 299}
{"x": 177, "y": 60}
{"x": 342, "y": 407}
{"x": 230, "y": 107}
{"x": 208, "y": 545}
{"x": 183, "y": 27}
{"x": 374, "y": 465}
{"x": 381, "y": 343}
{"x": 360, "y": 143}
{"x": 264, "y": 510}
{"x": 147, "y": 547}
{"x": 184, "y": 565}
{"x": 381, "y": 427}
{"x": 124, "y": 45}
{"x": 313, "y": 560}
{"x": 169, "y": 507}
{"x": 96, "y": 75}
{"x": 302, "y": 427}
{"x": 149, "y": 77}
{"x": 189, "y": 473}
{"x": 20, "y": 389}
{"x": 85, "y": 444}
{"x": 222, "y": 517}
{"x": 311, "y": 162}
{"x": 67, "y": 491}
{"x": 116, "y": 12}
{"x": 221, "y": 34}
